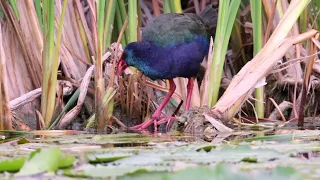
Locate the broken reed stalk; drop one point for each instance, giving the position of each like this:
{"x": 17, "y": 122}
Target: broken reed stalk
{"x": 243, "y": 83}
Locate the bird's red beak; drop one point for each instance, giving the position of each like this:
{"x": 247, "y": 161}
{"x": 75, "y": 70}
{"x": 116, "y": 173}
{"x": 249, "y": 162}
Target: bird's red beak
{"x": 121, "y": 67}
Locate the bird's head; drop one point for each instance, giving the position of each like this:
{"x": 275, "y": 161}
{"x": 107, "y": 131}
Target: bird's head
{"x": 132, "y": 56}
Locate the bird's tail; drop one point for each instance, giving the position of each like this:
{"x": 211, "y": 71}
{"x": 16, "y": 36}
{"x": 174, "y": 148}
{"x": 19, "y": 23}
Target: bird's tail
{"x": 209, "y": 16}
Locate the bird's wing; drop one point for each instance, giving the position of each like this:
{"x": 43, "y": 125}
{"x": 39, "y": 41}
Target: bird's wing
{"x": 174, "y": 29}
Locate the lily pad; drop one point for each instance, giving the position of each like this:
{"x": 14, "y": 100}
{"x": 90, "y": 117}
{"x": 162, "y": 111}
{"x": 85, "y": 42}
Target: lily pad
{"x": 46, "y": 160}
{"x": 101, "y": 171}
{"x": 12, "y": 165}
{"x": 66, "y": 160}
{"x": 106, "y": 157}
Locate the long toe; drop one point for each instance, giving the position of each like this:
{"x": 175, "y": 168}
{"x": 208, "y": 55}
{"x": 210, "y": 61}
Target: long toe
{"x": 167, "y": 120}
{"x": 170, "y": 119}
{"x": 143, "y": 125}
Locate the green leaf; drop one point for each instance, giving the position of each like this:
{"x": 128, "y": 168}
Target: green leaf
{"x": 106, "y": 157}
{"x": 66, "y": 160}
{"x": 14, "y": 7}
{"x": 12, "y": 165}
{"x": 43, "y": 161}
{"x": 101, "y": 171}
{"x": 281, "y": 172}
{"x": 23, "y": 141}
{"x": 250, "y": 159}
{"x": 221, "y": 171}
{"x": 226, "y": 17}
{"x": 207, "y": 148}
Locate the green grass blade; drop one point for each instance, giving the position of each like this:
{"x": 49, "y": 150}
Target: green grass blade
{"x": 227, "y": 13}
{"x": 66, "y": 108}
{"x": 119, "y": 22}
{"x": 101, "y": 11}
{"x": 166, "y": 6}
{"x": 13, "y": 4}
{"x": 123, "y": 13}
{"x": 133, "y": 25}
{"x": 175, "y": 6}
{"x": 99, "y": 81}
{"x": 37, "y": 4}
{"x": 256, "y": 16}
{"x": 47, "y": 104}
{"x": 109, "y": 24}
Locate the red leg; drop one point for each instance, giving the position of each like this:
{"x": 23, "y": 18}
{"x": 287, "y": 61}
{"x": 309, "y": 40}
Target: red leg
{"x": 189, "y": 92}
{"x": 156, "y": 115}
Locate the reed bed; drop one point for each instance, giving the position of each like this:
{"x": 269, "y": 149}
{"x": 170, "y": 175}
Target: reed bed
{"x": 58, "y": 62}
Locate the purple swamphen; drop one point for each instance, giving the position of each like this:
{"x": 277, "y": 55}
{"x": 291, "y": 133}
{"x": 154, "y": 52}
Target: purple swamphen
{"x": 172, "y": 45}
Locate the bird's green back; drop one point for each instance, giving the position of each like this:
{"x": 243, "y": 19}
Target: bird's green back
{"x": 174, "y": 29}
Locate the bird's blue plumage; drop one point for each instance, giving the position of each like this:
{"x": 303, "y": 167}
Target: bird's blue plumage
{"x": 173, "y": 45}
{"x": 168, "y": 62}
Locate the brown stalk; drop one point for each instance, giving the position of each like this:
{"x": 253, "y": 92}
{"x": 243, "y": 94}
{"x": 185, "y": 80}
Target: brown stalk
{"x": 294, "y": 103}
{"x": 5, "y": 112}
{"x": 81, "y": 14}
{"x": 243, "y": 83}
{"x": 278, "y": 108}
{"x": 98, "y": 75}
{"x": 69, "y": 116}
{"x": 196, "y": 6}
{"x": 156, "y": 8}
{"x": 205, "y": 82}
{"x": 203, "y": 4}
{"x": 33, "y": 68}
{"x": 308, "y": 72}
{"x": 40, "y": 123}
{"x": 121, "y": 91}
{"x": 129, "y": 93}
{"x": 270, "y": 21}
{"x": 111, "y": 84}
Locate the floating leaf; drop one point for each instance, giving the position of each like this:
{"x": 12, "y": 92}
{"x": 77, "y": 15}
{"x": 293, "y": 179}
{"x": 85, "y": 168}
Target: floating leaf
{"x": 43, "y": 161}
{"x": 23, "y": 141}
{"x": 66, "y": 160}
{"x": 207, "y": 148}
{"x": 106, "y": 157}
{"x": 285, "y": 173}
{"x": 12, "y": 165}
{"x": 221, "y": 171}
{"x": 101, "y": 171}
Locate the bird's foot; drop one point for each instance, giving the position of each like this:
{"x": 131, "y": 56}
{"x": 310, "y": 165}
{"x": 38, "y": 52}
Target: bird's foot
{"x": 155, "y": 121}
{"x": 168, "y": 120}
{"x": 146, "y": 124}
